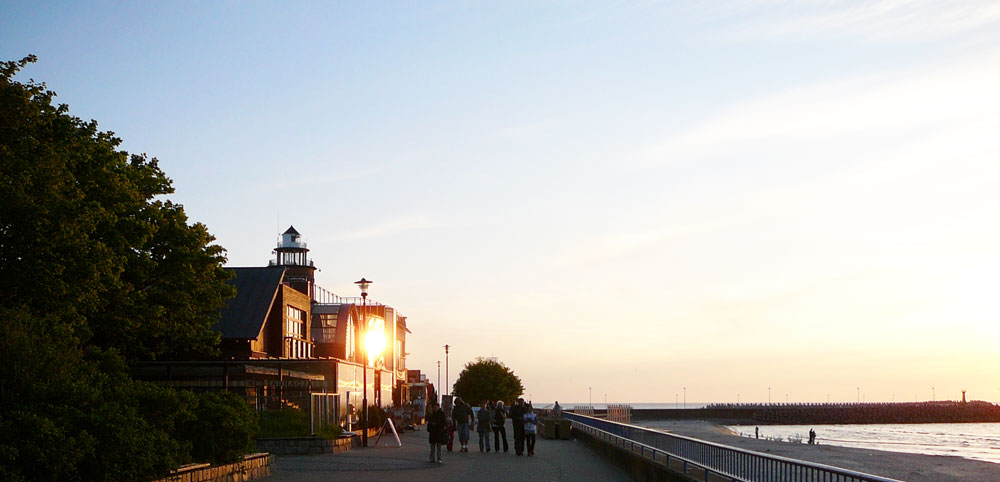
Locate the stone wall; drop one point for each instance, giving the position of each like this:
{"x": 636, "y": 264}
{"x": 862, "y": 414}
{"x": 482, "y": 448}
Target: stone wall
{"x": 252, "y": 467}
{"x": 304, "y": 445}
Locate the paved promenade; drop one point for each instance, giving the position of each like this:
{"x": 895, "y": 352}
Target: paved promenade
{"x": 553, "y": 460}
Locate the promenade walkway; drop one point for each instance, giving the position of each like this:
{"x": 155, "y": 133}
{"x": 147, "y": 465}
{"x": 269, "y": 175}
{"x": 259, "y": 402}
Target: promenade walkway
{"x": 553, "y": 460}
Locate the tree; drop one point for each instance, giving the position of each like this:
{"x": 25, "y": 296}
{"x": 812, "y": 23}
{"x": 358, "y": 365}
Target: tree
{"x": 485, "y": 379}
{"x": 97, "y": 270}
{"x": 86, "y": 235}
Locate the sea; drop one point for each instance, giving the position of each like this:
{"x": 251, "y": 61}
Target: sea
{"x": 977, "y": 441}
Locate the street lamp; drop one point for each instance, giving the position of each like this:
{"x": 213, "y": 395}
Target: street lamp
{"x": 685, "y": 396}
{"x": 364, "y": 284}
{"x": 446, "y": 364}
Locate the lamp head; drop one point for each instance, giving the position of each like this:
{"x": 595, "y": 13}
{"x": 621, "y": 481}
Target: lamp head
{"x": 363, "y": 284}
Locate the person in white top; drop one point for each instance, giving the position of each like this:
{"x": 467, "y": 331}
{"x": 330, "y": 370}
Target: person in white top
{"x": 530, "y": 421}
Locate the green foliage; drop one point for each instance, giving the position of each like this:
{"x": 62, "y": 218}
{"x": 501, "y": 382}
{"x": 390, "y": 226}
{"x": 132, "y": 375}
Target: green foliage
{"x": 98, "y": 270}
{"x": 223, "y": 429}
{"x": 330, "y": 432}
{"x": 376, "y": 416}
{"x": 484, "y": 379}
{"x": 85, "y": 235}
{"x": 284, "y": 423}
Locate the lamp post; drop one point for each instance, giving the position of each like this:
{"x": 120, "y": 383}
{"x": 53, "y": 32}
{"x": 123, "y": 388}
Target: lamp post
{"x": 364, "y": 284}
{"x": 446, "y": 365}
{"x": 438, "y": 394}
{"x": 685, "y": 396}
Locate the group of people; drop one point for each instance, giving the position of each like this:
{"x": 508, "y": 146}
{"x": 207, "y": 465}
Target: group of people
{"x": 490, "y": 418}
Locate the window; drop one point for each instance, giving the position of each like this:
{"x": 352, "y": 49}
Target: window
{"x": 296, "y": 322}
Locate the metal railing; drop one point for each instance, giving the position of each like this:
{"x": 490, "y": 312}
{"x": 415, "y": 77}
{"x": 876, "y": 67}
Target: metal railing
{"x": 712, "y": 461}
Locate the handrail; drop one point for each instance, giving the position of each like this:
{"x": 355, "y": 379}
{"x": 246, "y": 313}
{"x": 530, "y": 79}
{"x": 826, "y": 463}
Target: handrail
{"x": 716, "y": 459}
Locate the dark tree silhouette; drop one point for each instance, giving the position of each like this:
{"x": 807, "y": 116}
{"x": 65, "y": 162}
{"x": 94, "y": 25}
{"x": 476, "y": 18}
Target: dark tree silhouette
{"x": 485, "y": 379}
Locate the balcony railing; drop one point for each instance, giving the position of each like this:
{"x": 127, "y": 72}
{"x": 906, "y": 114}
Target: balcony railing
{"x": 325, "y": 297}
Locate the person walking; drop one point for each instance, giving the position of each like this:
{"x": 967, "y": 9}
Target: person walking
{"x": 436, "y": 433}
{"x": 483, "y": 427}
{"x": 517, "y": 419}
{"x": 462, "y": 415}
{"x": 530, "y": 421}
{"x": 499, "y": 431}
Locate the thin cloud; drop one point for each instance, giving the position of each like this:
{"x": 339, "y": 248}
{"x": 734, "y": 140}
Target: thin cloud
{"x": 392, "y": 226}
{"x": 870, "y": 105}
{"x": 874, "y": 21}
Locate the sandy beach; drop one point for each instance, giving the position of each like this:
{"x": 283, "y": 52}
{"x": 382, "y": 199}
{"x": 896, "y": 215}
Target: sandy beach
{"x": 902, "y": 466}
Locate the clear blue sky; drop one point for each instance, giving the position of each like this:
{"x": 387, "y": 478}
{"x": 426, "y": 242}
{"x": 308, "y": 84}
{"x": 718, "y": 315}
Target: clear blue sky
{"x": 635, "y": 197}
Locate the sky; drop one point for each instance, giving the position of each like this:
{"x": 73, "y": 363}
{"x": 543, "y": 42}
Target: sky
{"x": 630, "y": 201}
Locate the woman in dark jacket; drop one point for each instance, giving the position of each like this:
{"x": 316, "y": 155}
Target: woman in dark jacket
{"x": 483, "y": 426}
{"x": 436, "y": 433}
{"x": 499, "y": 431}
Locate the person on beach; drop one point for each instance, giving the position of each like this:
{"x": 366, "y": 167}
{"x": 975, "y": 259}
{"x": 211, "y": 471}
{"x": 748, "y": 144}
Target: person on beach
{"x": 436, "y": 433}
{"x": 483, "y": 427}
{"x": 499, "y": 419}
{"x": 557, "y": 410}
{"x": 530, "y": 421}
{"x": 462, "y": 415}
{"x": 756, "y": 432}
{"x": 812, "y": 436}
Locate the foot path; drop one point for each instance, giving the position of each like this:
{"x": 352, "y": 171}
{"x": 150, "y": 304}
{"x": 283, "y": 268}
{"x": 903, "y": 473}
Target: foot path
{"x": 554, "y": 460}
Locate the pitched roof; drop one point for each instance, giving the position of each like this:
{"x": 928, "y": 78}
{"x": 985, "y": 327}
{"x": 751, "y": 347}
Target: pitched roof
{"x": 291, "y": 230}
{"x": 245, "y": 314}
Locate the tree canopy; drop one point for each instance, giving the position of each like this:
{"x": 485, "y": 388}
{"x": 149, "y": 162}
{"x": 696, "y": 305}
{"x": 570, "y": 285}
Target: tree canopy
{"x": 485, "y": 379}
{"x": 97, "y": 270}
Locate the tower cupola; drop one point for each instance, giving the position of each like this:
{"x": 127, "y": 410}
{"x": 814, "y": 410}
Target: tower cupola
{"x": 292, "y": 250}
{"x": 292, "y": 254}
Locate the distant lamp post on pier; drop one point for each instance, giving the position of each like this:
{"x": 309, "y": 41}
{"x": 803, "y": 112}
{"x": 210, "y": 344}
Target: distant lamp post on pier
{"x": 685, "y": 396}
{"x": 590, "y": 397}
{"x": 364, "y": 284}
{"x": 438, "y": 396}
{"x": 859, "y": 394}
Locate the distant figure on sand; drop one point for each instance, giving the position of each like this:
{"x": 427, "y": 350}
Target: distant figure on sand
{"x": 812, "y": 436}
{"x": 756, "y": 432}
{"x": 557, "y": 410}
{"x": 436, "y": 433}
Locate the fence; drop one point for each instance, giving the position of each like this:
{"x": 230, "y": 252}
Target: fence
{"x": 711, "y": 461}
{"x": 324, "y": 411}
{"x": 619, "y": 413}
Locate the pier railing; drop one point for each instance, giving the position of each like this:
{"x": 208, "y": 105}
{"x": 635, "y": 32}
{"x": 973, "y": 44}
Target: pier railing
{"x": 710, "y": 461}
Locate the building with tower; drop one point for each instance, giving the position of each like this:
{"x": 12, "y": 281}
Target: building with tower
{"x": 285, "y": 339}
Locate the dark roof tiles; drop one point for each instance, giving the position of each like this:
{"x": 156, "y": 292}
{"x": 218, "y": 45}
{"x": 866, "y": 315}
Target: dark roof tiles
{"x": 245, "y": 314}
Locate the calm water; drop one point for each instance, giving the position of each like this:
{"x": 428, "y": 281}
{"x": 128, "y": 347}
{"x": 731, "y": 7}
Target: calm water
{"x": 979, "y": 441}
